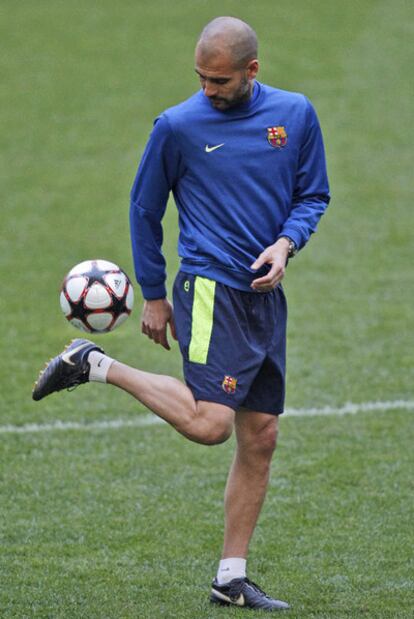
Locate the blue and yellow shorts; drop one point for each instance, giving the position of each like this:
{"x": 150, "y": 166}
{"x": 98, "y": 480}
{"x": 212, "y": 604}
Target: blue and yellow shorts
{"x": 233, "y": 343}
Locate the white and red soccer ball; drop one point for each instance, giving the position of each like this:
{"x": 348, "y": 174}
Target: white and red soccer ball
{"x": 96, "y": 296}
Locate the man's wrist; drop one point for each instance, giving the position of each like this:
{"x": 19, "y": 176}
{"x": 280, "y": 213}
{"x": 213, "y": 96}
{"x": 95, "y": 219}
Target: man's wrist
{"x": 292, "y": 250}
{"x": 160, "y": 300}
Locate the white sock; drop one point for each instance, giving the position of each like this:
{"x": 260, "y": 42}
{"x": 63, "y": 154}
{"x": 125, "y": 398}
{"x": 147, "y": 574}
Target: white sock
{"x": 100, "y": 365}
{"x": 233, "y": 567}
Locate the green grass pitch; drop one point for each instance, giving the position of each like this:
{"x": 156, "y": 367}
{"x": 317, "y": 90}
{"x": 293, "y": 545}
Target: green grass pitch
{"x": 127, "y": 523}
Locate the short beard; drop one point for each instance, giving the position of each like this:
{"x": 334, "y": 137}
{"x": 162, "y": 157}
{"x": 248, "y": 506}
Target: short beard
{"x": 242, "y": 95}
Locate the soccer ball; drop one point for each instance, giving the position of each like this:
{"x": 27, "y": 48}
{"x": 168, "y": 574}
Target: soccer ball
{"x": 96, "y": 296}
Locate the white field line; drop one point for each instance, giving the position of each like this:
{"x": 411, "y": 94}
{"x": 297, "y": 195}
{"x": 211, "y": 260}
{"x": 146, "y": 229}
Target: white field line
{"x": 352, "y": 409}
{"x": 150, "y": 420}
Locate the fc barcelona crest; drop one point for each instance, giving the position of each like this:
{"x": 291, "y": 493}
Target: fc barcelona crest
{"x": 229, "y": 384}
{"x": 277, "y": 136}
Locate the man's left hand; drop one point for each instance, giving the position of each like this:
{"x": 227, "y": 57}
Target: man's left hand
{"x": 276, "y": 255}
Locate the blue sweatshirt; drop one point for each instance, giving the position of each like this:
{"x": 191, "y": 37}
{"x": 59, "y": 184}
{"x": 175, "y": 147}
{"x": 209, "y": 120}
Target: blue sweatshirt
{"x": 241, "y": 178}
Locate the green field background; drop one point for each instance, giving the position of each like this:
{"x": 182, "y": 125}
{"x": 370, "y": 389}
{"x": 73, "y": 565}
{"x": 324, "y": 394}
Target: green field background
{"x": 99, "y": 524}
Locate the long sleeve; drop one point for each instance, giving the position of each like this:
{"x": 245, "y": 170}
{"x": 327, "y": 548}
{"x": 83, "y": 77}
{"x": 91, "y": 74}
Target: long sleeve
{"x": 157, "y": 174}
{"x": 311, "y": 193}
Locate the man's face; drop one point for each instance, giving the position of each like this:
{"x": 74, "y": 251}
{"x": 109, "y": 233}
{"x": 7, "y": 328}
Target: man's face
{"x": 224, "y": 85}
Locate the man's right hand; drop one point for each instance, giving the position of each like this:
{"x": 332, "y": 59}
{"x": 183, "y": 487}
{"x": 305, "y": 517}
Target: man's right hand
{"x": 156, "y": 315}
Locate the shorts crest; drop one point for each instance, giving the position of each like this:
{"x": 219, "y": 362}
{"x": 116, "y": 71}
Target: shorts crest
{"x": 229, "y": 384}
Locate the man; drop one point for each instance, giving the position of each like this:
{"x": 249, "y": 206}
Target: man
{"x": 246, "y": 165}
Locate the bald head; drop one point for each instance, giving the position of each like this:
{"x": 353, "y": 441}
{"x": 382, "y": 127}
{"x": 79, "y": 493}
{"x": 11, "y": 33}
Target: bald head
{"x": 230, "y": 37}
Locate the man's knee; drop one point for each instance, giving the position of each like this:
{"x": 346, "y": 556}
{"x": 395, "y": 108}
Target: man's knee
{"x": 213, "y": 423}
{"x": 218, "y": 434}
{"x": 266, "y": 440}
{"x": 258, "y": 440}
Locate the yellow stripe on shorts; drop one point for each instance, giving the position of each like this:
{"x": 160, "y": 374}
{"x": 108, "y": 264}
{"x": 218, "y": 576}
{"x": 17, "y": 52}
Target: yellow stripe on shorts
{"x": 202, "y": 319}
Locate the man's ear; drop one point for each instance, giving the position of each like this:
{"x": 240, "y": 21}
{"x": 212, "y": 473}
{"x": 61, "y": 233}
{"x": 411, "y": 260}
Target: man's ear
{"x": 252, "y": 69}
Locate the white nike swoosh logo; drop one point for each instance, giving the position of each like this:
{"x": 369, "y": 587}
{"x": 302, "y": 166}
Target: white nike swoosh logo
{"x": 209, "y": 149}
{"x": 239, "y": 602}
{"x": 67, "y": 355}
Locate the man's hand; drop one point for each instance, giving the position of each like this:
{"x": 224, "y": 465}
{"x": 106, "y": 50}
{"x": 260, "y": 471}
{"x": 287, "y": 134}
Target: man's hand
{"x": 155, "y": 317}
{"x": 275, "y": 255}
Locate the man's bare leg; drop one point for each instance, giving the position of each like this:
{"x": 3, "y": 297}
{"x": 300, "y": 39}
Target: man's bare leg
{"x": 244, "y": 496}
{"x": 248, "y": 479}
{"x": 203, "y": 422}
